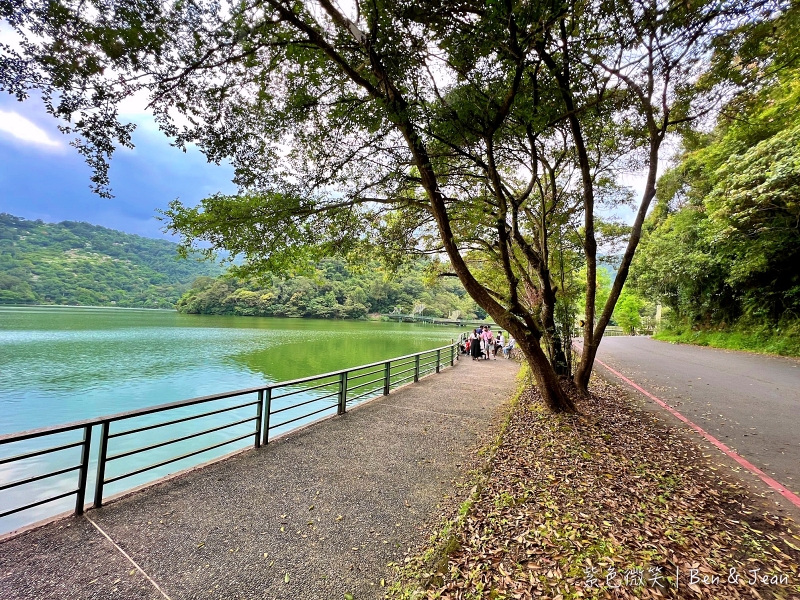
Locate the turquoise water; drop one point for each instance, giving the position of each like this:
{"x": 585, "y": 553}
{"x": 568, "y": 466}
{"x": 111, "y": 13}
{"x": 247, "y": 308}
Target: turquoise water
{"x": 59, "y": 365}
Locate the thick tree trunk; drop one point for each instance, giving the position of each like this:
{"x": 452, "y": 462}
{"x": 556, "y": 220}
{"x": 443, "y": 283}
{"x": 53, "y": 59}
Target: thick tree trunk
{"x": 527, "y": 335}
{"x": 584, "y": 371}
{"x": 554, "y": 396}
{"x": 527, "y": 339}
{"x": 562, "y": 75}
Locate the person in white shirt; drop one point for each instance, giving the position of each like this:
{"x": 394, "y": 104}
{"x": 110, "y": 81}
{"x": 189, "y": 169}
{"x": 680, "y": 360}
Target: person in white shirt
{"x": 509, "y": 347}
{"x": 499, "y": 343}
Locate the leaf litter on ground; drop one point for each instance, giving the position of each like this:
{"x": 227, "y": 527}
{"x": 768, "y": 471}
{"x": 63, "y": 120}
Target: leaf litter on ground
{"x": 609, "y": 503}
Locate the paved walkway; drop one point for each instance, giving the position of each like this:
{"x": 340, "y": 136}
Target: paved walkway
{"x": 314, "y": 515}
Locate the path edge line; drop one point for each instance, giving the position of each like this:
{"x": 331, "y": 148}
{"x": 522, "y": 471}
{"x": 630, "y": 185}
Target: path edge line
{"x": 772, "y": 483}
{"x": 126, "y": 555}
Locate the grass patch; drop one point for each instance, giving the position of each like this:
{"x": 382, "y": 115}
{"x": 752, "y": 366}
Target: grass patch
{"x": 783, "y": 339}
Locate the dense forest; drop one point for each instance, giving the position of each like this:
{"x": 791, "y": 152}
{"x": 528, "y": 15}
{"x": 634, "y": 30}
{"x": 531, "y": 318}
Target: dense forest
{"x": 721, "y": 248}
{"x": 83, "y": 264}
{"x": 335, "y": 290}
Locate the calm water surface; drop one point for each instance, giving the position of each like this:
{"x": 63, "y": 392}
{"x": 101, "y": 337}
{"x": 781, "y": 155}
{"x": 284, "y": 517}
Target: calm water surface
{"x": 62, "y": 364}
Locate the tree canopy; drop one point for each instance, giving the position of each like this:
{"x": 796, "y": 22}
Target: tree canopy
{"x": 724, "y": 241}
{"x": 491, "y": 133}
{"x": 333, "y": 291}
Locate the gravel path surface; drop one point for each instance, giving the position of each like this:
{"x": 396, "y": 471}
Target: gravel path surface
{"x": 316, "y": 514}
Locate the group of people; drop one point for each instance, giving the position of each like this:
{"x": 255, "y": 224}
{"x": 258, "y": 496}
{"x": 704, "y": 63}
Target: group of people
{"x": 482, "y": 343}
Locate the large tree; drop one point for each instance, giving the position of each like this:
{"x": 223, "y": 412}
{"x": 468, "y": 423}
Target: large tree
{"x": 479, "y": 131}
{"x": 724, "y": 244}
{"x": 662, "y": 57}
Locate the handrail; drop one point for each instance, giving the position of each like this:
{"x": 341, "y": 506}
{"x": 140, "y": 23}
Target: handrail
{"x": 31, "y": 433}
{"x": 339, "y": 385}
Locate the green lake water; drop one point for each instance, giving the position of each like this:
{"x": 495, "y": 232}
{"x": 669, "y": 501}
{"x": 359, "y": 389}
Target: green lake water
{"x": 63, "y": 364}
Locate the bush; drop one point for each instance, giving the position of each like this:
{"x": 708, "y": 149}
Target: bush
{"x": 782, "y": 339}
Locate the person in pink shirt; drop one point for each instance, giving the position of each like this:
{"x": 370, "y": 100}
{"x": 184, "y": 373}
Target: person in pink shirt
{"x": 487, "y": 341}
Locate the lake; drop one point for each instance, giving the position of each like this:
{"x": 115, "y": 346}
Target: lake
{"x": 63, "y": 364}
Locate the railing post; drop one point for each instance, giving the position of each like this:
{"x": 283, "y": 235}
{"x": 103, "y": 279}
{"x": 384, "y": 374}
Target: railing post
{"x": 416, "y": 368}
{"x": 342, "y": 394}
{"x": 438, "y": 358}
{"x": 452, "y": 354}
{"x": 387, "y": 372}
{"x": 83, "y": 474}
{"x": 101, "y": 465}
{"x": 267, "y": 410}
{"x": 259, "y": 409}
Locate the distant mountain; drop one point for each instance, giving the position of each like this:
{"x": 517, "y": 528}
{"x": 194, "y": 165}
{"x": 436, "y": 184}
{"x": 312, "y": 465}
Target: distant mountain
{"x": 79, "y": 263}
{"x": 609, "y": 264}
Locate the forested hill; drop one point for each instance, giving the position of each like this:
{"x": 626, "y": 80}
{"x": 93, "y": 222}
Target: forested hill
{"x": 79, "y": 263}
{"x": 721, "y": 248}
{"x": 334, "y": 291}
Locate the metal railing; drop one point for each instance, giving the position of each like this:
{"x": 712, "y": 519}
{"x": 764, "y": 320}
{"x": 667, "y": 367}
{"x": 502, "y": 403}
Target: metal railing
{"x": 610, "y": 331}
{"x": 280, "y": 401}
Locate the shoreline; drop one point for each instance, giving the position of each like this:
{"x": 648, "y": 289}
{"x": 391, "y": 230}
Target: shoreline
{"x": 93, "y": 307}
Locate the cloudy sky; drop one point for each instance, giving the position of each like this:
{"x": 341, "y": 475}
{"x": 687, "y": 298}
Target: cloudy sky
{"x": 43, "y": 177}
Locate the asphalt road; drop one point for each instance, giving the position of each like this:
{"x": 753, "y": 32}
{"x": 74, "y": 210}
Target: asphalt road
{"x": 749, "y": 402}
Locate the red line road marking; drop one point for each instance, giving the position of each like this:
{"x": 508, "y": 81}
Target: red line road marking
{"x": 781, "y": 489}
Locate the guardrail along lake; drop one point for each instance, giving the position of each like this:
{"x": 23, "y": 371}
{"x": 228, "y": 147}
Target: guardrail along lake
{"x": 65, "y": 364}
